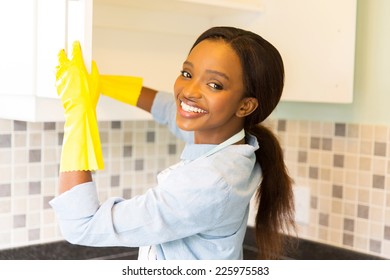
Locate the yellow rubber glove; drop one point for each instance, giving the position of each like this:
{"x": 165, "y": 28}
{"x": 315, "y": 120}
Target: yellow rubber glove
{"x": 79, "y": 92}
{"x": 126, "y": 89}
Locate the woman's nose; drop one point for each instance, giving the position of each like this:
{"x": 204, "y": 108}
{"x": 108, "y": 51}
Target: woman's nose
{"x": 192, "y": 90}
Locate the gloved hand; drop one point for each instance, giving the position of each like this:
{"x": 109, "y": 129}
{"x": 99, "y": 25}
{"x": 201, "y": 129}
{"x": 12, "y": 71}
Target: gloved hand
{"x": 79, "y": 92}
{"x": 126, "y": 89}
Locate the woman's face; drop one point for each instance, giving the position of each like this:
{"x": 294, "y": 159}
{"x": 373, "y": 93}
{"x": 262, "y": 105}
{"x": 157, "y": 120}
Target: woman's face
{"x": 209, "y": 92}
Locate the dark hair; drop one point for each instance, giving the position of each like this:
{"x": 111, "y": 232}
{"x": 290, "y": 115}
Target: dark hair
{"x": 263, "y": 73}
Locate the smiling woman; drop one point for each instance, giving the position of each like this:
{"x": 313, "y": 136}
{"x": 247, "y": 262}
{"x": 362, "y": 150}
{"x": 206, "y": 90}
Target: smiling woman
{"x": 211, "y": 83}
{"x": 230, "y": 82}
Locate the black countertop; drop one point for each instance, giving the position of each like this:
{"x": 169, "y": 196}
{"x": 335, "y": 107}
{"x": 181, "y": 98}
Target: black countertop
{"x": 62, "y": 250}
{"x": 303, "y": 249}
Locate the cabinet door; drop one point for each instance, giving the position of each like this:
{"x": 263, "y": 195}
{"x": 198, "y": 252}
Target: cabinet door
{"x": 59, "y": 24}
{"x": 32, "y": 34}
{"x": 79, "y": 27}
{"x": 32, "y": 37}
{"x": 51, "y": 36}
{"x": 317, "y": 39}
{"x": 17, "y": 67}
{"x": 317, "y": 42}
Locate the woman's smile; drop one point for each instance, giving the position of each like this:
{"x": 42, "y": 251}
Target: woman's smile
{"x": 187, "y": 110}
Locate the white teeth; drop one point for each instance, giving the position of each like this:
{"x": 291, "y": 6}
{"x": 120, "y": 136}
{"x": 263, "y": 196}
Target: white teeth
{"x": 191, "y": 109}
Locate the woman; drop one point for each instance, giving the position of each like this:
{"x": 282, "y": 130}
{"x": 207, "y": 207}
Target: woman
{"x": 230, "y": 82}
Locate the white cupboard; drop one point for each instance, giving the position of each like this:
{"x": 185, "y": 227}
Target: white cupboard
{"x": 150, "y": 38}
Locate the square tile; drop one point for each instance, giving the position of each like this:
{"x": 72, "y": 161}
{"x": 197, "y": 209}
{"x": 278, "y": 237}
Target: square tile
{"x": 6, "y": 157}
{"x": 366, "y": 132}
{"x": 49, "y": 126}
{"x": 365, "y": 163}
{"x": 340, "y": 129}
{"x": 35, "y": 140}
{"x": 139, "y": 165}
{"x": 127, "y": 151}
{"x": 381, "y": 133}
{"x": 34, "y": 126}
{"x": 338, "y": 160}
{"x": 349, "y": 224}
{"x": 363, "y": 196}
{"x": 172, "y": 149}
{"x": 366, "y": 147}
{"x": 386, "y": 233}
{"x": 34, "y": 187}
{"x": 353, "y": 130}
{"x": 115, "y": 181}
{"x": 314, "y": 202}
{"x": 6, "y": 125}
{"x": 326, "y": 144}
{"x": 34, "y": 155}
{"x": 19, "y": 221}
{"x": 5, "y": 140}
{"x": 150, "y": 136}
{"x": 378, "y": 181}
{"x": 348, "y": 239}
{"x": 5, "y": 190}
{"x": 325, "y": 174}
{"x": 363, "y": 211}
{"x": 281, "y": 126}
{"x": 337, "y": 207}
{"x": 20, "y": 126}
{"x": 313, "y": 172}
{"x": 380, "y": 149}
{"x": 315, "y": 142}
{"x": 46, "y": 200}
{"x": 375, "y": 246}
{"x": 116, "y": 124}
{"x": 34, "y": 234}
{"x": 337, "y": 191}
{"x": 127, "y": 193}
{"x": 302, "y": 156}
{"x": 323, "y": 219}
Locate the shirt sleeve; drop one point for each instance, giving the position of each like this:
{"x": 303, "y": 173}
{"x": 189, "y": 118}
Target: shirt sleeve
{"x": 164, "y": 213}
{"x": 164, "y": 112}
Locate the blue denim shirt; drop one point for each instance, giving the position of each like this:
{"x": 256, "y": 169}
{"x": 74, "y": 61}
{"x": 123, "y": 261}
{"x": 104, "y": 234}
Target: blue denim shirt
{"x": 199, "y": 211}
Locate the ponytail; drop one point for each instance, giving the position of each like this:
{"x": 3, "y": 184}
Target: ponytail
{"x": 274, "y": 197}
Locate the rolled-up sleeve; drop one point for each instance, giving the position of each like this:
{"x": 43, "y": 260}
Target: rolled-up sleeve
{"x": 82, "y": 200}
{"x": 78, "y": 212}
{"x": 116, "y": 222}
{"x": 164, "y": 213}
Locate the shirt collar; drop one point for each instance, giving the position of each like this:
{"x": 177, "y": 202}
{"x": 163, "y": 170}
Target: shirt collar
{"x": 193, "y": 151}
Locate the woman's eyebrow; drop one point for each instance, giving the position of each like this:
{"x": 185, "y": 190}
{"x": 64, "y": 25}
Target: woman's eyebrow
{"x": 223, "y": 75}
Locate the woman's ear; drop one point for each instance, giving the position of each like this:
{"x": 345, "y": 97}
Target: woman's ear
{"x": 247, "y": 106}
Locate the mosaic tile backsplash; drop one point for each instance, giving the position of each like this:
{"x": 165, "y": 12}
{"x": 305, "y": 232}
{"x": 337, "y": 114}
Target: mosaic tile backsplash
{"x": 345, "y": 166}
{"x": 29, "y": 164}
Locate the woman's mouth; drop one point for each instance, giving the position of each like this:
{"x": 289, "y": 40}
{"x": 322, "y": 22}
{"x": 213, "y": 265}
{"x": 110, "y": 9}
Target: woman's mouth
{"x": 191, "y": 109}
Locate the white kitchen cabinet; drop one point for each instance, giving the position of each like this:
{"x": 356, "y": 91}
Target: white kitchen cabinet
{"x": 317, "y": 41}
{"x": 151, "y": 38}
{"x": 33, "y": 31}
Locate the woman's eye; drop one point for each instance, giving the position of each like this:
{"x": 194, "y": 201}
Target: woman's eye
{"x": 185, "y": 74}
{"x": 215, "y": 86}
